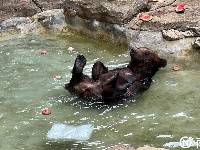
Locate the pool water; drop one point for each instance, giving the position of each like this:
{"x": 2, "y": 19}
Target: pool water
{"x": 159, "y": 117}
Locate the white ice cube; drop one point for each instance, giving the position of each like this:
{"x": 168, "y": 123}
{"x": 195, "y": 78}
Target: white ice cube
{"x": 69, "y": 132}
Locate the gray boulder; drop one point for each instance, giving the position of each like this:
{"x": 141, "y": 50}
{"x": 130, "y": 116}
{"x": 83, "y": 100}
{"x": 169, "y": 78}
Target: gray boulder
{"x": 26, "y": 8}
{"x": 196, "y": 30}
{"x": 13, "y": 22}
{"x": 51, "y": 18}
{"x": 117, "y": 12}
{"x": 172, "y": 34}
{"x": 196, "y": 43}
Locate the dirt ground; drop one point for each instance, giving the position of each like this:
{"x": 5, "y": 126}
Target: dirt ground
{"x": 167, "y": 18}
{"x": 163, "y": 18}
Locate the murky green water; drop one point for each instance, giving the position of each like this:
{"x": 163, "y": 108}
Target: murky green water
{"x": 166, "y": 112}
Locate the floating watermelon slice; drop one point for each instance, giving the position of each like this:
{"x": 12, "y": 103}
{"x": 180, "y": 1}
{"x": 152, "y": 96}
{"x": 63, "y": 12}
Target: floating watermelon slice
{"x": 23, "y": 3}
{"x": 180, "y": 8}
{"x": 145, "y": 17}
{"x": 46, "y": 112}
{"x": 176, "y": 68}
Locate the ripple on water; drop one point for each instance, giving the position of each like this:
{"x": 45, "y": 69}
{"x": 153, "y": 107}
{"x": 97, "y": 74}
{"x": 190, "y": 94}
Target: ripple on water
{"x": 1, "y": 115}
{"x": 171, "y": 83}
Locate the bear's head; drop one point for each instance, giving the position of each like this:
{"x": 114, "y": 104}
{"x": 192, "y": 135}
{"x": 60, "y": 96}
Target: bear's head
{"x": 145, "y": 61}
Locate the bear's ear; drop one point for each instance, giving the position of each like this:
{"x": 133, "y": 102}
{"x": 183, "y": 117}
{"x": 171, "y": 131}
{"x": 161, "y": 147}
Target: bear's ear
{"x": 163, "y": 62}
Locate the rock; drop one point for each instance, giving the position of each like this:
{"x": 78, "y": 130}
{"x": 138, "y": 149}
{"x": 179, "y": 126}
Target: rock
{"x": 70, "y": 12}
{"x": 95, "y": 24}
{"x": 48, "y": 5}
{"x": 118, "y": 12}
{"x": 13, "y": 22}
{"x": 196, "y": 43}
{"x": 38, "y": 4}
{"x": 52, "y": 18}
{"x": 189, "y": 33}
{"x": 13, "y": 8}
{"x": 196, "y": 30}
{"x": 16, "y": 8}
{"x": 172, "y": 34}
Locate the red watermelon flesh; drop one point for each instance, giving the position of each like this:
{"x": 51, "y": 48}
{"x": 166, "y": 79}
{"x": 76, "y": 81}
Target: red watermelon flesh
{"x": 145, "y": 17}
{"x": 180, "y": 8}
{"x": 141, "y": 16}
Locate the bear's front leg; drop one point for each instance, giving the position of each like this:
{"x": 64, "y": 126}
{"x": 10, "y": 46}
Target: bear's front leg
{"x": 98, "y": 69}
{"x": 77, "y": 72}
{"x": 138, "y": 86}
{"x": 79, "y": 64}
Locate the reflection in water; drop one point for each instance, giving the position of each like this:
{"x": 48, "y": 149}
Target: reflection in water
{"x": 163, "y": 114}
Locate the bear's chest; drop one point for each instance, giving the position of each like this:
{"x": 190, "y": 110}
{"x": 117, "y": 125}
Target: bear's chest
{"x": 129, "y": 76}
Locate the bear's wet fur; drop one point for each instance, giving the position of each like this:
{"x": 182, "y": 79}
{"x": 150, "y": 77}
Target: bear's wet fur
{"x": 118, "y": 83}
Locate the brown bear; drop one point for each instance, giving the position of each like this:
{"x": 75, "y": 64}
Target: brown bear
{"x": 118, "y": 83}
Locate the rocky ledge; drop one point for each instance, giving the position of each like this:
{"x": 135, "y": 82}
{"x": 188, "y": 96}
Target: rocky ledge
{"x": 116, "y": 21}
{"x": 109, "y": 11}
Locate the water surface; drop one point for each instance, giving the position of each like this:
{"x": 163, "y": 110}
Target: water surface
{"x": 159, "y": 117}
